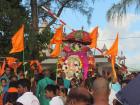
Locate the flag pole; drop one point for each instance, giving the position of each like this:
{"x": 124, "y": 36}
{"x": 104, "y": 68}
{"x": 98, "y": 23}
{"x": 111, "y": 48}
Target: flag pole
{"x": 94, "y": 51}
{"x": 23, "y": 56}
{"x": 56, "y": 17}
{"x": 57, "y": 70}
{"x": 23, "y": 59}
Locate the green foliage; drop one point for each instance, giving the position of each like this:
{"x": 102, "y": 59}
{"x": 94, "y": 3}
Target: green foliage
{"x": 12, "y": 15}
{"x": 35, "y": 43}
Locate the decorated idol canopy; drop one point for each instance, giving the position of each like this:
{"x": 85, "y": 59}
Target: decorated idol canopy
{"x": 76, "y": 58}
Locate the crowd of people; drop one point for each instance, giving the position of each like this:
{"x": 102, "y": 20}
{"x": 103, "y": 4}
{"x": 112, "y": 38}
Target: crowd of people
{"x": 19, "y": 89}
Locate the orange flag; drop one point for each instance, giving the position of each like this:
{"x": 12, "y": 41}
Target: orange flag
{"x": 18, "y": 41}
{"x": 38, "y": 65}
{"x": 57, "y": 40}
{"x": 32, "y": 62}
{"x": 56, "y": 51}
{"x": 58, "y": 36}
{"x": 10, "y": 60}
{"x": 2, "y": 68}
{"x": 113, "y": 51}
{"x": 94, "y": 36}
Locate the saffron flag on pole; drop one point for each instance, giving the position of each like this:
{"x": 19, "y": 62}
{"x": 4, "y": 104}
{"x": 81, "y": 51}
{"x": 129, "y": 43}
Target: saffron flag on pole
{"x": 113, "y": 51}
{"x": 57, "y": 40}
{"x": 94, "y": 36}
{"x": 18, "y": 41}
{"x": 115, "y": 79}
{"x": 56, "y": 51}
{"x": 58, "y": 36}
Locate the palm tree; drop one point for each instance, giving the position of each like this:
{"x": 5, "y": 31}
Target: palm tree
{"x": 119, "y": 10}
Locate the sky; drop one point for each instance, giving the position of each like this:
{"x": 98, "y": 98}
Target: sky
{"x": 130, "y": 27}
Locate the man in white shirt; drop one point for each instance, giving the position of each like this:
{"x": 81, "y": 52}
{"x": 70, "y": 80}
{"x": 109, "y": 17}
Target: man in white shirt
{"x": 114, "y": 88}
{"x": 27, "y": 97}
{"x": 51, "y": 93}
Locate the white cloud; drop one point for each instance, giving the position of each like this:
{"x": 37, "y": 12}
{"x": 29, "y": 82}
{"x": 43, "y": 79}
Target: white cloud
{"x": 130, "y": 47}
{"x": 133, "y": 62}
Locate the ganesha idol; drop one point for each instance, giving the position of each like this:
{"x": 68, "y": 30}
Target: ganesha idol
{"x": 76, "y": 58}
{"x": 72, "y": 66}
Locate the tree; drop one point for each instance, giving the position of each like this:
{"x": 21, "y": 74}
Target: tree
{"x": 34, "y": 15}
{"x": 12, "y": 16}
{"x": 120, "y": 9}
{"x": 13, "y": 13}
{"x": 57, "y": 6}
